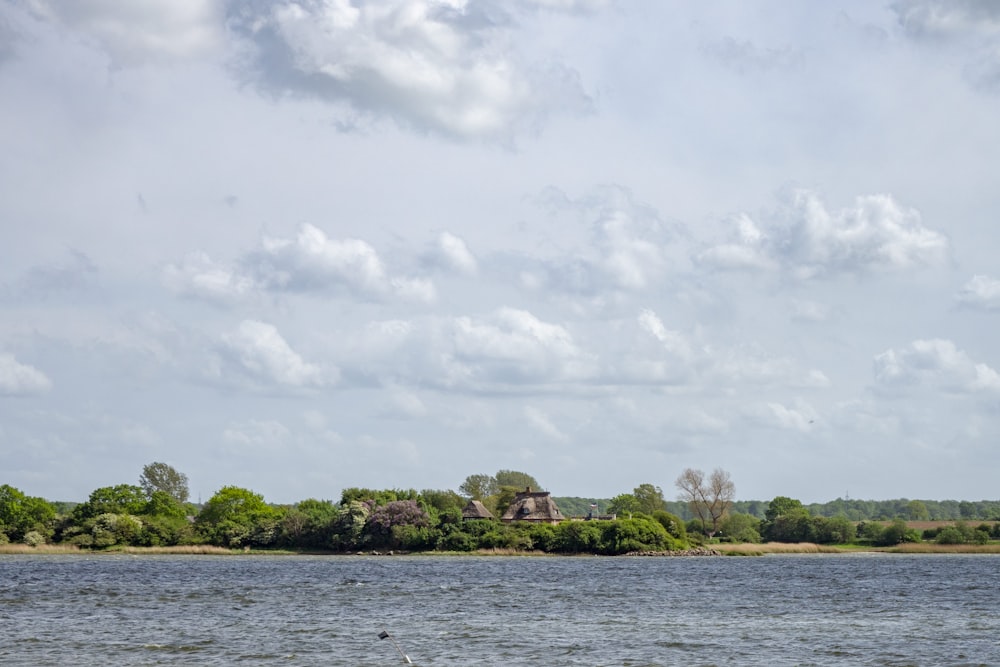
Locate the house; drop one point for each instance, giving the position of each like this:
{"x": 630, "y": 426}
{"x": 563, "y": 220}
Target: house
{"x": 535, "y": 506}
{"x": 476, "y": 510}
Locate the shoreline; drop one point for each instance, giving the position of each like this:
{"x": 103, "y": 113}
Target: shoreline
{"x": 714, "y": 550}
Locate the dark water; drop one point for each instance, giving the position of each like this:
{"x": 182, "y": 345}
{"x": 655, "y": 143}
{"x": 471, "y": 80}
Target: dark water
{"x": 249, "y": 610}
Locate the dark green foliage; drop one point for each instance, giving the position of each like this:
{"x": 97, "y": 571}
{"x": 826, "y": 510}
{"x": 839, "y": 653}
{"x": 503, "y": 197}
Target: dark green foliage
{"x": 518, "y": 480}
{"x": 740, "y": 528}
{"x": 377, "y": 497}
{"x": 578, "y": 537}
{"x": 674, "y": 525}
{"x": 780, "y": 506}
{"x": 640, "y": 533}
{"x": 457, "y": 541}
{"x": 650, "y": 498}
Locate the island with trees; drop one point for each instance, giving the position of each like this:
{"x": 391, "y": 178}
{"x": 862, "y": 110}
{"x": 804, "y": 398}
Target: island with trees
{"x": 507, "y": 512}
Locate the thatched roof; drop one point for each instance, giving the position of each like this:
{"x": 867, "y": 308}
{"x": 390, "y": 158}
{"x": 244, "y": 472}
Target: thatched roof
{"x": 533, "y": 506}
{"x": 476, "y": 510}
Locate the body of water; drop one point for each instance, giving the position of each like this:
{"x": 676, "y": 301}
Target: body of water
{"x": 865, "y": 609}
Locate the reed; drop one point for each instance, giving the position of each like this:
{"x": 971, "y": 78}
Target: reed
{"x": 748, "y": 549}
{"x": 40, "y": 549}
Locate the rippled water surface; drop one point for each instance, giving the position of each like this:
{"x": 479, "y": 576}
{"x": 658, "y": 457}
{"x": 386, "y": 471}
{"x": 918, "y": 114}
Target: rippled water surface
{"x": 303, "y": 610}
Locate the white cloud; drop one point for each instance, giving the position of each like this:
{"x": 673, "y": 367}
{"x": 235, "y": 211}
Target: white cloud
{"x": 801, "y": 416}
{"x": 17, "y": 379}
{"x": 199, "y": 277}
{"x": 311, "y": 262}
{"x": 514, "y": 345}
{"x": 134, "y": 33}
{"x": 438, "y": 65}
{"x": 981, "y": 292}
{"x": 749, "y": 363}
{"x": 807, "y": 240}
{"x": 257, "y": 349}
{"x": 629, "y": 249}
{"x": 673, "y": 342}
{"x": 451, "y": 253}
{"x": 936, "y": 363}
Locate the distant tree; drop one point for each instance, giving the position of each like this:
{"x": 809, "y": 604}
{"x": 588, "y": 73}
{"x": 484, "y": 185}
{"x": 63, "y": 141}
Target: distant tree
{"x": 709, "y": 499}
{"x": 118, "y": 499}
{"x": 162, "y": 477}
{"x": 21, "y": 514}
{"x": 479, "y": 487}
{"x": 236, "y": 517}
{"x": 740, "y": 528}
{"x": 624, "y": 504}
{"x": 503, "y": 499}
{"x": 519, "y": 480}
{"x": 916, "y": 510}
{"x": 780, "y": 506}
{"x": 650, "y": 498}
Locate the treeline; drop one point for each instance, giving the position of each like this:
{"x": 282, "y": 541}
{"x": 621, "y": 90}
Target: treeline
{"x": 156, "y": 513}
{"x": 853, "y": 510}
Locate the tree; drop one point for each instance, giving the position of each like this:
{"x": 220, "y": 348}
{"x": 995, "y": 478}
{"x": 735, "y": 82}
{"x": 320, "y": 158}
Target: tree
{"x": 624, "y": 503}
{"x": 236, "y": 517}
{"x": 479, "y": 487}
{"x": 741, "y": 528}
{"x": 162, "y": 477}
{"x": 519, "y": 480}
{"x": 118, "y": 499}
{"x": 780, "y": 506}
{"x": 916, "y": 510}
{"x": 21, "y": 514}
{"x": 650, "y": 498}
{"x": 710, "y": 499}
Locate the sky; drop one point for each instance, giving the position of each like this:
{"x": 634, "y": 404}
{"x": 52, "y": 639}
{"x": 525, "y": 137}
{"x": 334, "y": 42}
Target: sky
{"x": 300, "y": 246}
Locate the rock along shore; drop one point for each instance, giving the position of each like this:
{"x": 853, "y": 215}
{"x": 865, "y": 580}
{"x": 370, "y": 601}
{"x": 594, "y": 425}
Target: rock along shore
{"x": 699, "y": 551}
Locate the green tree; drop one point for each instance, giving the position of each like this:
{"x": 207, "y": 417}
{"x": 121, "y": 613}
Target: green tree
{"x": 503, "y": 499}
{"x": 119, "y": 499}
{"x": 237, "y": 517}
{"x": 916, "y": 510}
{"x": 479, "y": 487}
{"x": 740, "y": 528}
{"x": 518, "y": 480}
{"x": 162, "y": 477}
{"x": 650, "y": 498}
{"x": 624, "y": 504}
{"x": 21, "y": 514}
{"x": 780, "y": 506}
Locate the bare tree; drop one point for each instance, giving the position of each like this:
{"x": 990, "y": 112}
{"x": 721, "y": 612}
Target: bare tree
{"x": 709, "y": 500}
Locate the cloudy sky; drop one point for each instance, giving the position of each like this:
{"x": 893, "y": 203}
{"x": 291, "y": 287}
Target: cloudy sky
{"x": 303, "y": 245}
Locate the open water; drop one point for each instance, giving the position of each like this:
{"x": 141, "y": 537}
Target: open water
{"x": 544, "y": 612}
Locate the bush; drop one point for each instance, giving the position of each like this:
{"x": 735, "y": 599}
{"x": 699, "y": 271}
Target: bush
{"x": 456, "y": 541}
{"x": 950, "y": 535}
{"x": 33, "y": 538}
{"x": 577, "y": 537}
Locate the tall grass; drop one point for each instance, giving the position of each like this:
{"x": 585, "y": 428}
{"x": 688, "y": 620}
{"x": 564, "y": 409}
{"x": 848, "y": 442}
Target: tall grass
{"x": 747, "y": 549}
